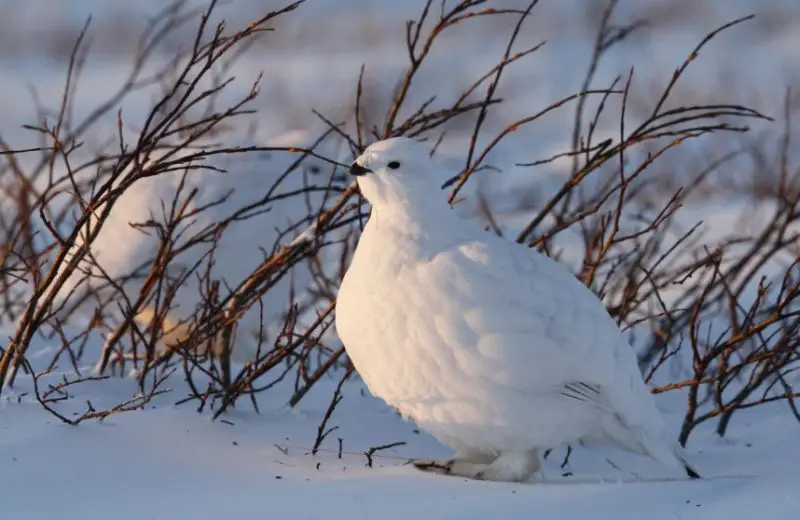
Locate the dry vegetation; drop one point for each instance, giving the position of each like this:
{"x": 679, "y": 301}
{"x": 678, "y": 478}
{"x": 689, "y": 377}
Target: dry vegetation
{"x": 716, "y": 316}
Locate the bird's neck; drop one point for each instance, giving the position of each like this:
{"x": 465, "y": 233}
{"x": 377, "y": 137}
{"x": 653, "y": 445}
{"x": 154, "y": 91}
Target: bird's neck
{"x": 430, "y": 228}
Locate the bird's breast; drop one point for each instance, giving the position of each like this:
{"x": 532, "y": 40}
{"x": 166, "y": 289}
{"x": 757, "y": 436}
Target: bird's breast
{"x": 393, "y": 328}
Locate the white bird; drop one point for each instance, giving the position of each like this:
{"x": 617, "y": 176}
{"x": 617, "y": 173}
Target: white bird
{"x": 496, "y": 350}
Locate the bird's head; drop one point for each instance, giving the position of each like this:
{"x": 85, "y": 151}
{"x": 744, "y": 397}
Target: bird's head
{"x": 398, "y": 173}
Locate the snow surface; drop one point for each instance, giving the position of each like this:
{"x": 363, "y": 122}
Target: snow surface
{"x": 171, "y": 462}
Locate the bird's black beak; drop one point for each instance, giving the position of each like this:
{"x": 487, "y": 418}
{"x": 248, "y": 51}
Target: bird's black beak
{"x": 358, "y": 170}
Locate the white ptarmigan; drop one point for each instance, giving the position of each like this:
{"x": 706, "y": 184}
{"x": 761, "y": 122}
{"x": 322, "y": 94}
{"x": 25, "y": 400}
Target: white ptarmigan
{"x": 496, "y": 350}
{"x": 266, "y": 191}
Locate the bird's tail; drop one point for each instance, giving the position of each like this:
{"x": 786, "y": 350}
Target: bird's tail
{"x": 672, "y": 457}
{"x": 690, "y": 470}
{"x": 679, "y": 461}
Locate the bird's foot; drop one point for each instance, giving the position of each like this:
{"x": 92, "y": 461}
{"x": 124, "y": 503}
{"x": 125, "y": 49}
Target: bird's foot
{"x": 513, "y": 466}
{"x": 456, "y": 467}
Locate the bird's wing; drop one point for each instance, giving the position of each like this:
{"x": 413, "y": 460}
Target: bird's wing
{"x": 538, "y": 328}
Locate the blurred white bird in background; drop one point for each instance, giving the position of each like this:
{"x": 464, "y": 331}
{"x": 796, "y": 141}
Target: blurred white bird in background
{"x": 496, "y": 350}
{"x": 126, "y": 250}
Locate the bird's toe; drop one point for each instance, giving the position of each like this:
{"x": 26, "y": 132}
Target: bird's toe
{"x": 443, "y": 466}
{"x": 454, "y": 467}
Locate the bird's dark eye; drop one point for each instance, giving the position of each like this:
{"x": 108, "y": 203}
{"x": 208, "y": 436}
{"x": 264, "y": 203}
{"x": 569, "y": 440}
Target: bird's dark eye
{"x": 394, "y": 165}
{"x": 314, "y": 170}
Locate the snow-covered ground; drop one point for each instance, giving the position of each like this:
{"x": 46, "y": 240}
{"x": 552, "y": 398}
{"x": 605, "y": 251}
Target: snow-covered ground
{"x": 171, "y": 462}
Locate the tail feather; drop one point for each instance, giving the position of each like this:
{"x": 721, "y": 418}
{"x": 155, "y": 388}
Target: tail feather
{"x": 677, "y": 459}
{"x": 670, "y": 456}
{"x": 691, "y": 472}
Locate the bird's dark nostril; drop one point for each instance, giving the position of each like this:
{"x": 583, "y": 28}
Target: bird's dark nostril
{"x": 358, "y": 170}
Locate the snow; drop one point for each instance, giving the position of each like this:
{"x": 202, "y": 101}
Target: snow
{"x": 168, "y": 462}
